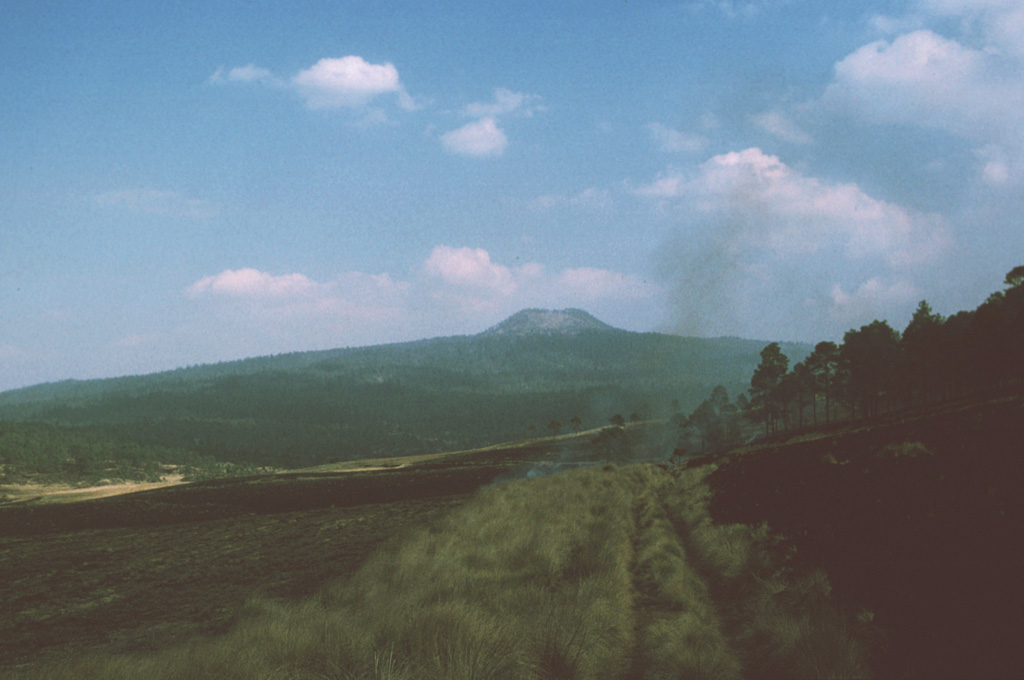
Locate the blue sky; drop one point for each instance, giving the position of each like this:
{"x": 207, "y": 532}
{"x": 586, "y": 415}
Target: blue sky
{"x": 193, "y": 182}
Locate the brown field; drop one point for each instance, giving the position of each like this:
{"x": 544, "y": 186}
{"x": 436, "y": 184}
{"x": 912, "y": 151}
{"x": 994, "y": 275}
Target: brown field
{"x": 147, "y": 570}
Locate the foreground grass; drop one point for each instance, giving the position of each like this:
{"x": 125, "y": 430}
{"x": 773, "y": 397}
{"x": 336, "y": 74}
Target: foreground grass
{"x": 615, "y": 573}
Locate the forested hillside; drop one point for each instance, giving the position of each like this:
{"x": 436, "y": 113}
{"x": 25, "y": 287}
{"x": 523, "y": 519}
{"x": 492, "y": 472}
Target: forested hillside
{"x": 408, "y": 398}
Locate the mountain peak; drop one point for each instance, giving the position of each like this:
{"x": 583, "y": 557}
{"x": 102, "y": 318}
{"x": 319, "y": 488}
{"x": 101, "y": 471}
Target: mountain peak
{"x": 548, "y": 322}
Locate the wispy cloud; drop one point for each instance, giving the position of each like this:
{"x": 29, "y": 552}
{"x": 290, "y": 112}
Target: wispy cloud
{"x": 506, "y": 101}
{"x": 731, "y": 9}
{"x": 670, "y": 139}
{"x": 249, "y": 73}
{"x": 155, "y": 202}
{"x": 780, "y": 125}
{"x": 591, "y": 199}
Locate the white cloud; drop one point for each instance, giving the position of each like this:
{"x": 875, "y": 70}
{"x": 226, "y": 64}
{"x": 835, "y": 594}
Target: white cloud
{"x": 780, "y": 125}
{"x": 346, "y": 82}
{"x": 506, "y": 101}
{"x": 479, "y": 138}
{"x": 969, "y": 87}
{"x": 155, "y": 202}
{"x": 670, "y": 139}
{"x": 252, "y": 283}
{"x": 331, "y": 83}
{"x": 787, "y": 212}
{"x": 469, "y": 267}
{"x": 922, "y": 78}
{"x": 757, "y": 234}
{"x": 454, "y": 290}
{"x": 467, "y": 281}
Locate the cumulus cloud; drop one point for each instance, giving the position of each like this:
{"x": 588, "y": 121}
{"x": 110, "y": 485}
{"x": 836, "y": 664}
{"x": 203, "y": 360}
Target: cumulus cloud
{"x": 670, "y": 139}
{"x": 479, "y": 138}
{"x": 347, "y": 82}
{"x": 330, "y": 83}
{"x": 787, "y": 212}
{"x": 470, "y": 267}
{"x": 155, "y": 202}
{"x": 925, "y": 79}
{"x": 968, "y": 86}
{"x": 506, "y": 101}
{"x": 760, "y": 234}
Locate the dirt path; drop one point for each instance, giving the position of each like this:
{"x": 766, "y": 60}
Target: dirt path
{"x": 62, "y": 493}
{"x": 678, "y": 632}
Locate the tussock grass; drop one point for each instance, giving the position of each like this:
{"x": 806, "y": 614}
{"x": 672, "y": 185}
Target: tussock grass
{"x": 682, "y": 636}
{"x": 783, "y": 623}
{"x": 590, "y": 574}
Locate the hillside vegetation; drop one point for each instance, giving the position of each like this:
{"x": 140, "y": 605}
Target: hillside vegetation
{"x": 41, "y": 453}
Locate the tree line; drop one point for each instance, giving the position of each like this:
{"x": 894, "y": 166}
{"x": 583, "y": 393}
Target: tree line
{"x": 877, "y": 369}
{"x": 874, "y": 370}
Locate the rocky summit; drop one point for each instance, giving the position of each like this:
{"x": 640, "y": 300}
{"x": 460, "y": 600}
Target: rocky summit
{"x": 548, "y": 322}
